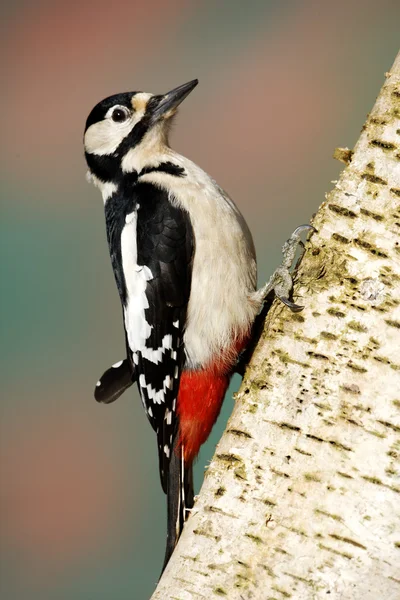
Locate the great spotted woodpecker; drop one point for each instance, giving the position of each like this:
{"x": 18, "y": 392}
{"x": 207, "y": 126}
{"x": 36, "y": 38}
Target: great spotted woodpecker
{"x": 185, "y": 267}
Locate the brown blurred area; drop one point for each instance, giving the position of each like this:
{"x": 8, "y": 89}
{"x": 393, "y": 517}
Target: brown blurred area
{"x": 281, "y": 84}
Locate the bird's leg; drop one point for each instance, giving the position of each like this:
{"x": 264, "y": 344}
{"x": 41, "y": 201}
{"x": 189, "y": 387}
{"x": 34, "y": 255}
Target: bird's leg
{"x": 281, "y": 281}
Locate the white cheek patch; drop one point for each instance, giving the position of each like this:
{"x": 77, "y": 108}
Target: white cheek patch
{"x": 105, "y": 136}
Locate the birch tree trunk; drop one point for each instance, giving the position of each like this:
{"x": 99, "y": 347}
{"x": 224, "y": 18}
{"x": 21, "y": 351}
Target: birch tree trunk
{"x": 302, "y": 497}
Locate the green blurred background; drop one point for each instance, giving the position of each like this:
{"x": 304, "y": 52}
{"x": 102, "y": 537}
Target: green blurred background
{"x": 281, "y": 84}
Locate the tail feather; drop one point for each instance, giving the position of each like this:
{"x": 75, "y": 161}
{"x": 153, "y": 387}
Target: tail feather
{"x": 114, "y": 382}
{"x": 180, "y": 498}
{"x": 189, "y": 488}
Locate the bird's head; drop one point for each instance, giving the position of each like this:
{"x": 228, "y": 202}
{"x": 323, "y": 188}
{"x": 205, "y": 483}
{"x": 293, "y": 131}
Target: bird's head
{"x": 125, "y": 130}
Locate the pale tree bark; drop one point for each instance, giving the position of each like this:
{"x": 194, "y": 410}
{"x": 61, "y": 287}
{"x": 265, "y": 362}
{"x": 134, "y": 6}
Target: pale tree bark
{"x": 302, "y": 497}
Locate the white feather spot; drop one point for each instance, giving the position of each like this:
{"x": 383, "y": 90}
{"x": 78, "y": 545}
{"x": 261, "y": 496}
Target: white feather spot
{"x": 117, "y": 364}
{"x": 155, "y": 356}
{"x": 174, "y": 355}
{"x": 166, "y": 451}
{"x": 98, "y": 384}
{"x": 149, "y": 411}
{"x": 176, "y": 372}
{"x": 156, "y": 396}
{"x": 168, "y": 416}
{"x": 176, "y": 323}
{"x": 135, "y": 358}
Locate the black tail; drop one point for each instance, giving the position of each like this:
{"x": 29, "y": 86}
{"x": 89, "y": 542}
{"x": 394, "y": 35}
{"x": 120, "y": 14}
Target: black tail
{"x": 180, "y": 498}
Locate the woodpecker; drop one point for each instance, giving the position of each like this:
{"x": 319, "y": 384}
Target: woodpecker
{"x": 185, "y": 267}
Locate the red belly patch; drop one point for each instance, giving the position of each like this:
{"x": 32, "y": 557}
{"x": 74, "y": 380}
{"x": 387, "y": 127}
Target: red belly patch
{"x": 199, "y": 402}
{"x": 200, "y": 397}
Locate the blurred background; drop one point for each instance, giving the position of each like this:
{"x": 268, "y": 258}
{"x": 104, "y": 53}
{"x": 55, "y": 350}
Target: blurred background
{"x": 281, "y": 85}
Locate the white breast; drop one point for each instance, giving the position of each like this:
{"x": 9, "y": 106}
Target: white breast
{"x": 224, "y": 267}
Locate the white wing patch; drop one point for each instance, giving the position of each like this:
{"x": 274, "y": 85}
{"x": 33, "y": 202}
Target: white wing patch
{"x": 136, "y": 278}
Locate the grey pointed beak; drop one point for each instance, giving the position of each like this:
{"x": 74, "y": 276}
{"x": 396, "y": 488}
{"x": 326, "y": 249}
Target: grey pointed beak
{"x": 172, "y": 99}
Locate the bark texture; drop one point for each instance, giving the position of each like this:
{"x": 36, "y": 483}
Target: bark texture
{"x": 302, "y": 497}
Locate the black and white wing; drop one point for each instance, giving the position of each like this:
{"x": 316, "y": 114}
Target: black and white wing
{"x": 164, "y": 253}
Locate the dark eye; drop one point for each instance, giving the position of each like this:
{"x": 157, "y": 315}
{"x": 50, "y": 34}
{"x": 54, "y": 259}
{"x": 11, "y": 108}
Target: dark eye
{"x": 119, "y": 115}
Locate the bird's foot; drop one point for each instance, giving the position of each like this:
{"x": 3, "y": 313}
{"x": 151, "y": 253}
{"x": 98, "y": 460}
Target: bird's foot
{"x": 281, "y": 281}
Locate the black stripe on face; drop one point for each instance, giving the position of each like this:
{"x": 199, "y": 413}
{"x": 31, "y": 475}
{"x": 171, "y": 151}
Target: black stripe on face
{"x": 137, "y": 134}
{"x": 134, "y": 137}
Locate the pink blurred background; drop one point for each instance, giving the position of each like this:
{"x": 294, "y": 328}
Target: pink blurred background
{"x": 281, "y": 84}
